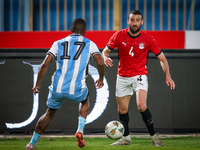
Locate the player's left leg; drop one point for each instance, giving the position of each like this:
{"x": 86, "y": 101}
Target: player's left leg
{"x": 141, "y": 98}
{"x": 83, "y": 112}
{"x": 41, "y": 126}
{"x": 44, "y": 120}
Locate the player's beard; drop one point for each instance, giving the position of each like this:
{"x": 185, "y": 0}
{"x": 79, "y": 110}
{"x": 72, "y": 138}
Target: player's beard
{"x": 134, "y": 31}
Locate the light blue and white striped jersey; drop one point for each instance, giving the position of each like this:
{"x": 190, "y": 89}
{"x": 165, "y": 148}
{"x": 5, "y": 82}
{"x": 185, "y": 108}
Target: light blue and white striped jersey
{"x": 73, "y": 54}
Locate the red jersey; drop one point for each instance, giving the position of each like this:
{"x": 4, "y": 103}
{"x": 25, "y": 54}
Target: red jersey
{"x": 132, "y": 52}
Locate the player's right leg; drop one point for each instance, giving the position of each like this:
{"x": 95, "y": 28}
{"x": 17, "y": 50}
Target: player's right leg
{"x": 124, "y": 92}
{"x": 123, "y": 103}
{"x": 84, "y": 107}
{"x": 83, "y": 112}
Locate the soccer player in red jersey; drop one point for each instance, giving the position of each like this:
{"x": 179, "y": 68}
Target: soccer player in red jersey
{"x": 133, "y": 46}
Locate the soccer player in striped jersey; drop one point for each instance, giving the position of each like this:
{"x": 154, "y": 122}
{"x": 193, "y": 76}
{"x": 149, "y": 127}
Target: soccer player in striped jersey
{"x": 69, "y": 80}
{"x": 133, "y": 47}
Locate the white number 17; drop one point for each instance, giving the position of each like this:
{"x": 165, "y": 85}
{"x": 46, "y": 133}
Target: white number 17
{"x": 130, "y": 52}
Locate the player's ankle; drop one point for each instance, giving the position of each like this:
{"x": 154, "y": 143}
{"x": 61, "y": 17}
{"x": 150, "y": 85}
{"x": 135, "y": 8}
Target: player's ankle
{"x": 79, "y": 130}
{"x": 127, "y": 137}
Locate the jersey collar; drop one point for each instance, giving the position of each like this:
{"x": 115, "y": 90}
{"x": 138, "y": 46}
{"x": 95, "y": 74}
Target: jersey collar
{"x": 75, "y": 34}
{"x": 133, "y": 36}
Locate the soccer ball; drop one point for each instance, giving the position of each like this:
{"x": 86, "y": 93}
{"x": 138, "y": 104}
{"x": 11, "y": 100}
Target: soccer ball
{"x": 114, "y": 130}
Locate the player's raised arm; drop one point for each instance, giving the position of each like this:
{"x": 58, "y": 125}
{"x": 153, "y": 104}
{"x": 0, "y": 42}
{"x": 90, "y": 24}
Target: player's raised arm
{"x": 165, "y": 67}
{"x": 107, "y": 60}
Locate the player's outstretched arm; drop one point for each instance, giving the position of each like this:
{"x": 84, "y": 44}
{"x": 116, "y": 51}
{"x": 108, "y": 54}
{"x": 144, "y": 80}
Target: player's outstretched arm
{"x": 165, "y": 66}
{"x": 107, "y": 60}
{"x": 41, "y": 73}
{"x": 100, "y": 67}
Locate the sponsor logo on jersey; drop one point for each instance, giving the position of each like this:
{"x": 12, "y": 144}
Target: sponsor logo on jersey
{"x": 124, "y": 43}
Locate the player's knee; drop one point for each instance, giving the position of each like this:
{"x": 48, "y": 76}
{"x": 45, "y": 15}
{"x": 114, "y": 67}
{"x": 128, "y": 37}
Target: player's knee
{"x": 51, "y": 112}
{"x": 142, "y": 107}
{"x": 85, "y": 103}
{"x": 122, "y": 111}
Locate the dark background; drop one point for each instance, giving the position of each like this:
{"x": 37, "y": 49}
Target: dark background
{"x": 174, "y": 111}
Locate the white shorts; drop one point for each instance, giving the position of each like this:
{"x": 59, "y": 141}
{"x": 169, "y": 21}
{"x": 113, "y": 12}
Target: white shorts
{"x": 128, "y": 85}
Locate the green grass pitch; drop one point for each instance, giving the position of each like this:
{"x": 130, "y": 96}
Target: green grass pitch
{"x": 69, "y": 143}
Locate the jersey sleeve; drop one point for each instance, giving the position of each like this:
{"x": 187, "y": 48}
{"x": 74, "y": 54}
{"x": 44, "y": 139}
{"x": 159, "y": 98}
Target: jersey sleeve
{"x": 112, "y": 43}
{"x": 154, "y": 47}
{"x": 93, "y": 49}
{"x": 54, "y": 49}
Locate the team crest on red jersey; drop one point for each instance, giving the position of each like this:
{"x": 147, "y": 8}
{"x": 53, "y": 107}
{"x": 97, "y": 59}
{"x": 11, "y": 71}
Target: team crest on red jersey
{"x": 141, "y": 45}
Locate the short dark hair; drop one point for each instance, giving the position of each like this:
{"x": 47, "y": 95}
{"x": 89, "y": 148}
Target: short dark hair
{"x": 78, "y": 25}
{"x": 135, "y": 12}
{"x": 79, "y": 22}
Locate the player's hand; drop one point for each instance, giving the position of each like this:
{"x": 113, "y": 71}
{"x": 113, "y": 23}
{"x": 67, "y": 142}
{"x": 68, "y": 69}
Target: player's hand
{"x": 108, "y": 62}
{"x": 170, "y": 83}
{"x": 36, "y": 89}
{"x": 99, "y": 84}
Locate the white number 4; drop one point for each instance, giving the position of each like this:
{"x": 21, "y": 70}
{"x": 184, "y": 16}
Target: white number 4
{"x": 130, "y": 52}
